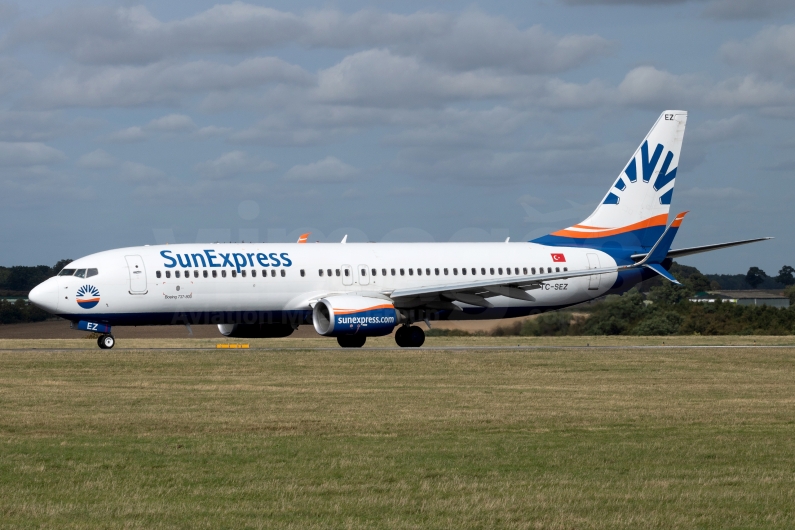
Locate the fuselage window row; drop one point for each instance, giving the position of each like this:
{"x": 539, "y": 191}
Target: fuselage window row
{"x": 87, "y": 273}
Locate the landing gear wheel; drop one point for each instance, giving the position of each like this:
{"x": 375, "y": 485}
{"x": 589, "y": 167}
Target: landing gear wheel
{"x": 416, "y": 336}
{"x": 106, "y": 342}
{"x": 351, "y": 341}
{"x": 410, "y": 337}
{"x": 402, "y": 337}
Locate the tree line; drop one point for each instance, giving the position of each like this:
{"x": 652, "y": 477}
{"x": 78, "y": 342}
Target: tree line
{"x": 659, "y": 307}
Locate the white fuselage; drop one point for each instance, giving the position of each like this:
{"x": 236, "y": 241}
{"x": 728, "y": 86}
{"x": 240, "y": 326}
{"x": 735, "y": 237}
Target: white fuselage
{"x": 211, "y": 283}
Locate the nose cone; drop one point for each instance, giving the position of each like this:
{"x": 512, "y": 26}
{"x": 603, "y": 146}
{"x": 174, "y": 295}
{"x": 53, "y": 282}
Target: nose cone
{"x": 45, "y": 295}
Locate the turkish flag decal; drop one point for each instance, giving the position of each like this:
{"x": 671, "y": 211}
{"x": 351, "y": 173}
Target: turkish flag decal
{"x": 558, "y": 258}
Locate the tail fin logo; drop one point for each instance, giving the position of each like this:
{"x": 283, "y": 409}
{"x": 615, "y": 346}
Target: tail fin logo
{"x": 648, "y": 165}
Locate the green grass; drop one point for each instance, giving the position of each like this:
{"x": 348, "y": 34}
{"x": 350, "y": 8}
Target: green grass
{"x": 598, "y": 438}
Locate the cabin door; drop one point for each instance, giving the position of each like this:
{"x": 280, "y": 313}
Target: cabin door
{"x": 137, "y": 274}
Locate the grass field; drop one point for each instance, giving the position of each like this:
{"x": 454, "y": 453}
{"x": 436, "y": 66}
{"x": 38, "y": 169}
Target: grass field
{"x": 543, "y": 438}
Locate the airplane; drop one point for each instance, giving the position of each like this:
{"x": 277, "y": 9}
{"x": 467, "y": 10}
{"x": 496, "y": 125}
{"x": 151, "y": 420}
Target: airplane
{"x": 352, "y": 291}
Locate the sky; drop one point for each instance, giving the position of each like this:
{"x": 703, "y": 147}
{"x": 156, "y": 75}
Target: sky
{"x": 131, "y": 123}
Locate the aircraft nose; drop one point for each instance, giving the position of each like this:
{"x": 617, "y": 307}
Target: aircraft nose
{"x": 45, "y": 295}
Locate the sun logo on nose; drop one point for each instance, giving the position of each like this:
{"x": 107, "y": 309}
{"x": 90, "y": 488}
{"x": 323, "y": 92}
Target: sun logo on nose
{"x": 87, "y": 296}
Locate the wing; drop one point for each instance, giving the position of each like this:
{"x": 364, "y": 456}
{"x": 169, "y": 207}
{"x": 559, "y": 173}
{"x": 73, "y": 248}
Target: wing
{"x": 441, "y": 296}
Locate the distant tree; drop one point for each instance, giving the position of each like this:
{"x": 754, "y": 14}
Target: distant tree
{"x": 60, "y": 265}
{"x": 785, "y": 275}
{"x": 755, "y": 277}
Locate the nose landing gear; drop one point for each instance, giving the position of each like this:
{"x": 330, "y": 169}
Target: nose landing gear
{"x": 106, "y": 342}
{"x": 410, "y": 337}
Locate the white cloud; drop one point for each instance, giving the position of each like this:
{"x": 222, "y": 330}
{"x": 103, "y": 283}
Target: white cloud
{"x": 172, "y": 123}
{"x": 158, "y": 83}
{"x": 380, "y": 78}
{"x": 770, "y": 52}
{"x": 212, "y": 130}
{"x": 140, "y": 174}
{"x": 98, "y": 159}
{"x": 470, "y": 40}
{"x": 330, "y": 169}
{"x": 28, "y": 154}
{"x": 747, "y": 9}
{"x": 128, "y": 135}
{"x": 234, "y": 163}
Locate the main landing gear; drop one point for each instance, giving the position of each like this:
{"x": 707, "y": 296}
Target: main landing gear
{"x": 410, "y": 337}
{"x": 106, "y": 342}
{"x": 351, "y": 341}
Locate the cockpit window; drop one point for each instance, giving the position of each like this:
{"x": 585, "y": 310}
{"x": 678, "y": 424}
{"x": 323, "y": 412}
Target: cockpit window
{"x": 66, "y": 272}
{"x": 81, "y": 273}
{"x": 91, "y": 272}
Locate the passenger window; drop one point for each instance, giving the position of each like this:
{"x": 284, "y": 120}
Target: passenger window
{"x": 402, "y": 272}
{"x": 549, "y": 270}
{"x": 557, "y": 269}
{"x": 347, "y": 272}
{"x": 204, "y": 273}
{"x": 328, "y": 271}
{"x": 483, "y": 271}
{"x": 393, "y": 272}
{"x": 474, "y": 271}
{"x": 176, "y": 274}
{"x": 565, "y": 269}
{"x": 508, "y": 271}
{"x": 436, "y": 272}
{"x": 491, "y": 271}
{"x": 243, "y": 273}
{"x": 419, "y": 272}
{"x": 215, "y": 274}
{"x": 264, "y": 273}
{"x": 91, "y": 272}
{"x": 66, "y": 272}
{"x": 524, "y": 271}
{"x": 284, "y": 273}
{"x": 302, "y": 273}
{"x": 337, "y": 271}
{"x": 273, "y": 273}
{"x": 464, "y": 271}
{"x": 411, "y": 272}
{"x": 223, "y": 274}
{"x": 195, "y": 274}
{"x": 187, "y": 274}
{"x": 373, "y": 272}
{"x": 445, "y": 272}
{"x": 455, "y": 271}
{"x": 234, "y": 274}
{"x": 516, "y": 270}
{"x": 253, "y": 273}
{"x": 383, "y": 272}
{"x": 157, "y": 274}
{"x": 533, "y": 270}
{"x": 168, "y": 274}
{"x": 81, "y": 273}
{"x": 320, "y": 272}
{"x": 364, "y": 272}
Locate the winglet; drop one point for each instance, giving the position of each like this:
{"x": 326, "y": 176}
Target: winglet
{"x": 303, "y": 237}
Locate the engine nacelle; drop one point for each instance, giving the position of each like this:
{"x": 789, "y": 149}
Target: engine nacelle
{"x": 256, "y": 331}
{"x": 354, "y": 315}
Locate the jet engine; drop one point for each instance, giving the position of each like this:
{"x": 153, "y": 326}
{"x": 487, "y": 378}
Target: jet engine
{"x": 337, "y": 316}
{"x": 256, "y": 331}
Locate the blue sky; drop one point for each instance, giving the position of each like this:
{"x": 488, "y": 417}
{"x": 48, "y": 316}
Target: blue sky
{"x": 137, "y": 123}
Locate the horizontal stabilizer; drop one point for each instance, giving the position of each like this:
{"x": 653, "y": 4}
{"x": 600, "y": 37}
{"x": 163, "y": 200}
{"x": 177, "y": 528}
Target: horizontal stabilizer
{"x": 704, "y": 248}
{"x": 656, "y": 267}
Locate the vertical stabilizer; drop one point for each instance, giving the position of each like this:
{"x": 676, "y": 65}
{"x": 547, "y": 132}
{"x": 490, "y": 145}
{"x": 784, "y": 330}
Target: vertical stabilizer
{"x": 634, "y": 212}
